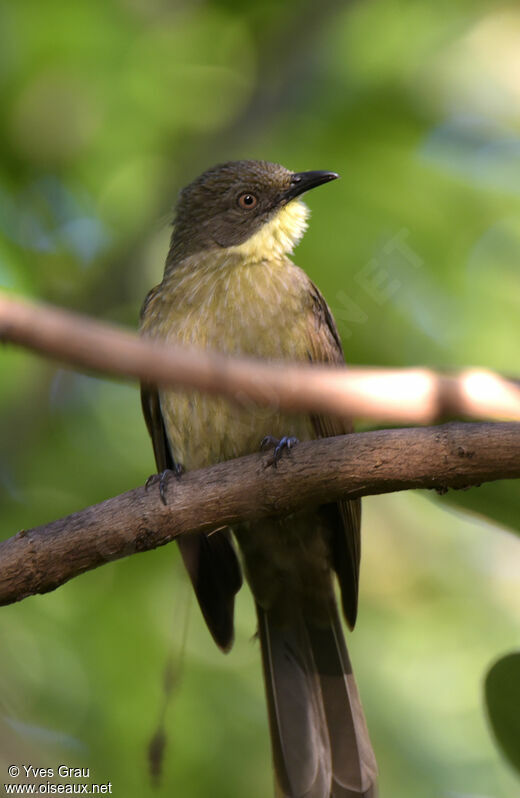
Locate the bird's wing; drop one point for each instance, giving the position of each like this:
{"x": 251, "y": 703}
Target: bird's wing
{"x": 210, "y": 559}
{"x": 154, "y": 421}
{"x": 344, "y": 518}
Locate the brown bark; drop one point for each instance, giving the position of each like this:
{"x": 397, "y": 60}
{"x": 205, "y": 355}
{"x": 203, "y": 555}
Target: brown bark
{"x": 450, "y": 456}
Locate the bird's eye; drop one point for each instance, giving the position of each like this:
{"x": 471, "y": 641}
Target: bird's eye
{"x": 247, "y": 201}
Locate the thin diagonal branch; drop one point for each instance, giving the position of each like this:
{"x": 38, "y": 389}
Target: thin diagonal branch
{"x": 408, "y": 396}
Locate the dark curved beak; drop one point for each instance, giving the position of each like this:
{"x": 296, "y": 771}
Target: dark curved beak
{"x": 303, "y": 181}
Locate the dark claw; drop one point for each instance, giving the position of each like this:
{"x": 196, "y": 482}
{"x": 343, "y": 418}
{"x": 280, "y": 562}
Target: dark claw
{"x": 163, "y": 483}
{"x": 268, "y": 441}
{"x": 151, "y": 479}
{"x": 177, "y": 471}
{"x": 287, "y": 442}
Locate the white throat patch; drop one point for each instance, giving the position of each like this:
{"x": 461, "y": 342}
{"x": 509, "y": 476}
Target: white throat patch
{"x": 278, "y": 236}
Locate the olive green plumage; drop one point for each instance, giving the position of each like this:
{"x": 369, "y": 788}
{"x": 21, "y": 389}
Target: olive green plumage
{"x": 230, "y": 286}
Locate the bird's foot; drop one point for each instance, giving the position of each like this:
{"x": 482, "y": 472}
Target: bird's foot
{"x": 279, "y": 444}
{"x": 163, "y": 477}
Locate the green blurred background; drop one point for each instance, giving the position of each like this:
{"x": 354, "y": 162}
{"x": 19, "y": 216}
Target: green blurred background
{"x": 109, "y": 107}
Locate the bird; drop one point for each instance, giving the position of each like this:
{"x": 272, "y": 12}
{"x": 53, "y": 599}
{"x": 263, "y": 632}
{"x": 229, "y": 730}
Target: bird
{"x": 230, "y": 286}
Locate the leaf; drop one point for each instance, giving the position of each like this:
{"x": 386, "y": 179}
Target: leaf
{"x": 502, "y": 694}
{"x": 498, "y": 501}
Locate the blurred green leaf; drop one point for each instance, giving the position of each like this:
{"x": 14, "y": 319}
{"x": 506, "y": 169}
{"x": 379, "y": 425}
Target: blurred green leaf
{"x": 497, "y": 501}
{"x": 502, "y": 692}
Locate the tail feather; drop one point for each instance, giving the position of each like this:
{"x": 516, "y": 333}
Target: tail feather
{"x": 353, "y": 762}
{"x": 297, "y": 722}
{"x": 321, "y": 747}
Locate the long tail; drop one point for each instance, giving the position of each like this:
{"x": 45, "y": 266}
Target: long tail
{"x": 320, "y": 742}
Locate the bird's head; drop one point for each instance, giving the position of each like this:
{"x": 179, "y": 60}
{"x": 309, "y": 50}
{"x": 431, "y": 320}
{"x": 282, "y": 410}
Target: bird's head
{"x": 250, "y": 207}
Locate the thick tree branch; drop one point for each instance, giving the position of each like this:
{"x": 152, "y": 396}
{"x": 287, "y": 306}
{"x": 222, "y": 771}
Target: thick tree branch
{"x": 413, "y": 396}
{"x": 449, "y": 456}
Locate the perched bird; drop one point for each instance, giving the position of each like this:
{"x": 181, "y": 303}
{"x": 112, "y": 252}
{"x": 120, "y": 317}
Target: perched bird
{"x": 230, "y": 286}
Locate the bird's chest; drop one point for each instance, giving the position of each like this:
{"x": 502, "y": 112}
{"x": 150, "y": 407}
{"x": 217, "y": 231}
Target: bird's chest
{"x": 259, "y": 310}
